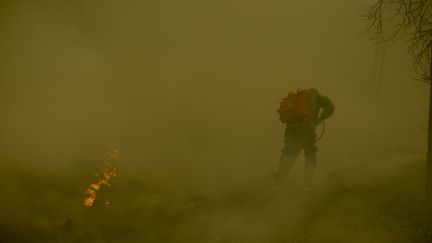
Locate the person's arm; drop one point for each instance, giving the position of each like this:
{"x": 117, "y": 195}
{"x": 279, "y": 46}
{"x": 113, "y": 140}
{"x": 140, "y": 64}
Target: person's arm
{"x": 327, "y": 107}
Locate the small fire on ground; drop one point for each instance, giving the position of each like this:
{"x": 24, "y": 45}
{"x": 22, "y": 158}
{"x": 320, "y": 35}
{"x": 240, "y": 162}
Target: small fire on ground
{"x": 105, "y": 177}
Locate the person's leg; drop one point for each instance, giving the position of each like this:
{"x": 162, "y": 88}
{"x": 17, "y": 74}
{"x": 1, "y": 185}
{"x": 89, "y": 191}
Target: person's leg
{"x": 288, "y": 156}
{"x": 310, "y": 150}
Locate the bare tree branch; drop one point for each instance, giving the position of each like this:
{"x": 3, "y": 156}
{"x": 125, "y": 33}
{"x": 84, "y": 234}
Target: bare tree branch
{"x": 410, "y": 19}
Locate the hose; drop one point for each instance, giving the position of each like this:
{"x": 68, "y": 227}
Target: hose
{"x": 322, "y": 132}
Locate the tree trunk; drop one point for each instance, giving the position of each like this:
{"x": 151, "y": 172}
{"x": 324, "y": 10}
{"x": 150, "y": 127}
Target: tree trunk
{"x": 429, "y": 146}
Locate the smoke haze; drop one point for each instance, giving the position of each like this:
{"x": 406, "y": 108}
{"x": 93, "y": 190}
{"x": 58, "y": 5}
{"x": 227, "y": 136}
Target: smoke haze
{"x": 188, "y": 90}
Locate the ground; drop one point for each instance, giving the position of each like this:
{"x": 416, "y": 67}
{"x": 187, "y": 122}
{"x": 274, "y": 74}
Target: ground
{"x": 362, "y": 201}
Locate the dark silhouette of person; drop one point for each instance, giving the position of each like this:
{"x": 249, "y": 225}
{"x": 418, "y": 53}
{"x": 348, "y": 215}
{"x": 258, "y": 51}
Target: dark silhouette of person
{"x": 300, "y": 135}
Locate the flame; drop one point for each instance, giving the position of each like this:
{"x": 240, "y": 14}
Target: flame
{"x": 105, "y": 178}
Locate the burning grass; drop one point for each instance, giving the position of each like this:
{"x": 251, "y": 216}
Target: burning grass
{"x": 104, "y": 178}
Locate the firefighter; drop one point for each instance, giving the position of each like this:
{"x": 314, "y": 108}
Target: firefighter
{"x": 302, "y": 112}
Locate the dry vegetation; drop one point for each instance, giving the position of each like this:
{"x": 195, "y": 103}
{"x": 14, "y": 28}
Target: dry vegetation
{"x": 359, "y": 206}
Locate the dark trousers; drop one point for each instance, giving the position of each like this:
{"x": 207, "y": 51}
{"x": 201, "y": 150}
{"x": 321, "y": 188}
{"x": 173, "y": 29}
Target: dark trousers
{"x": 296, "y": 140}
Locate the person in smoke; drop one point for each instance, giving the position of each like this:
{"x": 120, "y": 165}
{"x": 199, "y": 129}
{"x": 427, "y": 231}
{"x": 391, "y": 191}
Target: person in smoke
{"x": 302, "y": 112}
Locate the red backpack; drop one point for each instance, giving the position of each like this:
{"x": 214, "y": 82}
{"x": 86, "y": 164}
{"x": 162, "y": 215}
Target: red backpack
{"x": 296, "y": 106}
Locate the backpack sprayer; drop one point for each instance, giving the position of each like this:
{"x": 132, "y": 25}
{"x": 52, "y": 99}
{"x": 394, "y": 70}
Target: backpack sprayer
{"x": 298, "y": 106}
